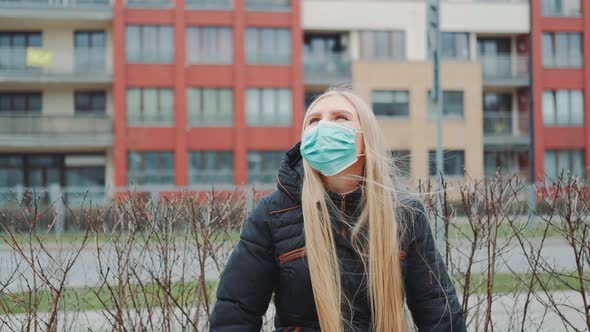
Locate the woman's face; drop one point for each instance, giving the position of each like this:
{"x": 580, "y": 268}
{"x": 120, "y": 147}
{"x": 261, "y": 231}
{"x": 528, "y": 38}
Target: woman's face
{"x": 338, "y": 110}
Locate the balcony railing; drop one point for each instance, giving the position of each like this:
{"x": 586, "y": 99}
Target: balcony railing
{"x": 326, "y": 68}
{"x": 150, "y": 178}
{"x": 505, "y": 68}
{"x": 209, "y": 4}
{"x": 506, "y": 124}
{"x": 210, "y": 120}
{"x": 35, "y": 63}
{"x": 262, "y": 120}
{"x": 73, "y": 196}
{"x": 268, "y": 5}
{"x": 149, "y": 3}
{"x": 37, "y": 123}
{"x": 83, "y": 4}
{"x": 268, "y": 59}
{"x": 163, "y": 119}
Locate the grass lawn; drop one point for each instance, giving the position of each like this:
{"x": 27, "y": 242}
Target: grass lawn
{"x": 187, "y": 293}
{"x": 74, "y": 238}
{"x": 463, "y": 231}
{"x": 83, "y": 299}
{"x": 510, "y": 283}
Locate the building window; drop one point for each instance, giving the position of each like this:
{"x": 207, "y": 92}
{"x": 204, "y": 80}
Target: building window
{"x": 209, "y": 4}
{"x": 19, "y": 102}
{"x": 390, "y": 103}
{"x": 149, "y": 44}
{"x": 506, "y": 162}
{"x": 571, "y": 8}
{"x": 401, "y": 162}
{"x": 497, "y": 114}
{"x": 452, "y": 104}
{"x": 453, "y": 163}
{"x": 150, "y": 168}
{"x": 268, "y": 107}
{"x": 209, "y": 45}
{"x": 564, "y": 162}
{"x": 562, "y": 50}
{"x": 263, "y": 166}
{"x": 268, "y": 5}
{"x": 455, "y": 45}
{"x": 268, "y": 46}
{"x": 90, "y": 53}
{"x": 383, "y": 45}
{"x": 11, "y": 171}
{"x": 150, "y": 107}
{"x": 211, "y": 167}
{"x": 13, "y": 48}
{"x": 563, "y": 108}
{"x": 210, "y": 107}
{"x": 90, "y": 102}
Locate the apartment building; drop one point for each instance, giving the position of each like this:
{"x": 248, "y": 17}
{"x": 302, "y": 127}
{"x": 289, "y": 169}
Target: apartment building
{"x": 561, "y": 88}
{"x": 147, "y": 94}
{"x": 384, "y": 53}
{"x": 56, "y": 124}
{"x": 164, "y": 94}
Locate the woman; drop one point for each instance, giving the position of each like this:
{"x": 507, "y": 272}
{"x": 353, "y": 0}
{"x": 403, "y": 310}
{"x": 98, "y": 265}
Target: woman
{"x": 335, "y": 243}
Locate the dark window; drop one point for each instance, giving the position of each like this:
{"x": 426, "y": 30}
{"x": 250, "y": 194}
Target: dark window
{"x": 150, "y": 168}
{"x": 90, "y": 101}
{"x": 149, "y": 44}
{"x": 268, "y": 46}
{"x": 562, "y": 50}
{"x": 268, "y": 5}
{"x": 455, "y": 45}
{"x": 90, "y": 50}
{"x": 452, "y": 105}
{"x": 20, "y": 102}
{"x": 211, "y": 167}
{"x": 390, "y": 103}
{"x": 263, "y": 166}
{"x": 13, "y": 48}
{"x": 564, "y": 162}
{"x": 453, "y": 163}
{"x": 571, "y": 8}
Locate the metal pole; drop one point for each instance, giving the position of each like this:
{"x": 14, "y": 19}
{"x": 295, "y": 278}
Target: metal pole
{"x": 532, "y": 187}
{"x": 436, "y": 96}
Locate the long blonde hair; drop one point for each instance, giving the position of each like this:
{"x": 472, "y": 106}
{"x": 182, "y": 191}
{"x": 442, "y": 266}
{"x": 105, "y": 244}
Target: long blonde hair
{"x": 378, "y": 219}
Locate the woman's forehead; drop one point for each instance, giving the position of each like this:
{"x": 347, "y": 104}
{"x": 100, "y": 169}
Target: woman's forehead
{"x": 332, "y": 104}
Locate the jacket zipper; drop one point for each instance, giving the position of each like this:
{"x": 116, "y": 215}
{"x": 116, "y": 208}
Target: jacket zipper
{"x": 343, "y": 230}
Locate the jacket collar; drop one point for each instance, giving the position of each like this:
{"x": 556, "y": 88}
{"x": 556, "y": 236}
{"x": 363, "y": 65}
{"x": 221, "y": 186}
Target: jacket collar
{"x": 290, "y": 178}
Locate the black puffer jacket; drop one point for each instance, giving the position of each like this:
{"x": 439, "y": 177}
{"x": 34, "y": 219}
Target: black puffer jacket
{"x": 270, "y": 258}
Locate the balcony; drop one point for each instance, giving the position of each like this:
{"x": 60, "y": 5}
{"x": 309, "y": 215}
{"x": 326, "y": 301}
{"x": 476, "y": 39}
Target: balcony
{"x": 326, "y": 69}
{"x": 21, "y": 129}
{"x": 506, "y": 129}
{"x": 36, "y": 65}
{"x": 95, "y": 10}
{"x": 505, "y": 70}
{"x": 209, "y": 4}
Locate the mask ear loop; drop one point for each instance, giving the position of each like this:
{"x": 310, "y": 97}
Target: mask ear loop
{"x": 362, "y": 154}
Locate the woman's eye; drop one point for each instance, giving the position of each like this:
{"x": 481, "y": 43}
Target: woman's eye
{"x": 341, "y": 117}
{"x": 312, "y": 121}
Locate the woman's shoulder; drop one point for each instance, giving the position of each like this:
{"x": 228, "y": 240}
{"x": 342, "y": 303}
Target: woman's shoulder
{"x": 412, "y": 218}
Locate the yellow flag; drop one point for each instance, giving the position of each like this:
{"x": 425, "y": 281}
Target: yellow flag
{"x": 37, "y": 57}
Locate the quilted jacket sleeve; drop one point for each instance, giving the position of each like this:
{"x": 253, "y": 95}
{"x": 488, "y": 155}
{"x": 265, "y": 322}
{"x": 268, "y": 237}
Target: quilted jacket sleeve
{"x": 430, "y": 293}
{"x": 248, "y": 280}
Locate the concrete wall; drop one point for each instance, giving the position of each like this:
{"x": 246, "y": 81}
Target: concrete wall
{"x": 356, "y": 15}
{"x": 417, "y": 133}
{"x": 477, "y": 16}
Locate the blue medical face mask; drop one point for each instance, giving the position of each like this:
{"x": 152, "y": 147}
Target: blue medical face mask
{"x": 329, "y": 147}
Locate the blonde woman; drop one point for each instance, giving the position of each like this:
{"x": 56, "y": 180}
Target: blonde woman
{"x": 336, "y": 244}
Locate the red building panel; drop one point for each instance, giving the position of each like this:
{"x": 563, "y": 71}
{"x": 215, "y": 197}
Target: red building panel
{"x": 181, "y": 76}
{"x": 553, "y": 79}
